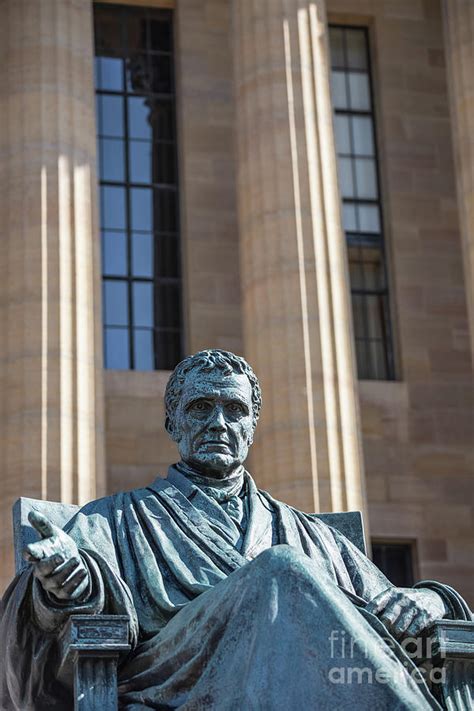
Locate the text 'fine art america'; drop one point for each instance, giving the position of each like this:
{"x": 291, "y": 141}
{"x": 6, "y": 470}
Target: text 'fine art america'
{"x": 233, "y": 600}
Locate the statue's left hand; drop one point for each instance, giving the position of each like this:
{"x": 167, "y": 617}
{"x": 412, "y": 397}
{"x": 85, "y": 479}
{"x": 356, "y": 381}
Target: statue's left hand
{"x": 407, "y": 612}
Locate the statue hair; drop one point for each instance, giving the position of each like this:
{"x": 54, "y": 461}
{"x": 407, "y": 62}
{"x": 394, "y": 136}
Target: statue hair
{"x": 205, "y": 361}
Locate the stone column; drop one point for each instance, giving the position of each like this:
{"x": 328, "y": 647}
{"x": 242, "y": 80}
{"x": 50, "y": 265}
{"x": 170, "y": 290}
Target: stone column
{"x": 51, "y": 391}
{"x": 459, "y": 36}
{"x": 296, "y": 299}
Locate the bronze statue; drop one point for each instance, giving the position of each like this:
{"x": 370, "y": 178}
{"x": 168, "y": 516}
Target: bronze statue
{"x": 235, "y": 600}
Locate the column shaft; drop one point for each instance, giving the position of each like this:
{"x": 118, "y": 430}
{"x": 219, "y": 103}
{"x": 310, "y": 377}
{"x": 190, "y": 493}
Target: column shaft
{"x": 459, "y": 35}
{"x": 51, "y": 433}
{"x": 296, "y": 300}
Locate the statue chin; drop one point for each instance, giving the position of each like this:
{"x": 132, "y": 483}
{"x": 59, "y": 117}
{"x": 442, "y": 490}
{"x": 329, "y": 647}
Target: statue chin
{"x": 215, "y": 465}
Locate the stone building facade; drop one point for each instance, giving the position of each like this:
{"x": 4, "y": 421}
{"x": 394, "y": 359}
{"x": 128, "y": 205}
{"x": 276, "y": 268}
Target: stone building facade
{"x": 264, "y": 261}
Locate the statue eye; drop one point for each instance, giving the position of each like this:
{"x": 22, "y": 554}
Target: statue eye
{"x": 199, "y": 406}
{"x": 235, "y": 407}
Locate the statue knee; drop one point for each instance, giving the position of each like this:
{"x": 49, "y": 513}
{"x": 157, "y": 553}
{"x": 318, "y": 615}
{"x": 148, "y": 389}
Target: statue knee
{"x": 293, "y": 570}
{"x": 281, "y": 560}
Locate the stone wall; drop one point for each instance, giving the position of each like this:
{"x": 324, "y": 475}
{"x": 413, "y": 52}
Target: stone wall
{"x": 418, "y": 432}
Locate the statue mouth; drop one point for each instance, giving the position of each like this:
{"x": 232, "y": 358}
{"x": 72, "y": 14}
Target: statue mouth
{"x": 215, "y": 443}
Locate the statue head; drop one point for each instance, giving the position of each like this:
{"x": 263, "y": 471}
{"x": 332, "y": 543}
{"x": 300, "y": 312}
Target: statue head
{"x": 212, "y": 402}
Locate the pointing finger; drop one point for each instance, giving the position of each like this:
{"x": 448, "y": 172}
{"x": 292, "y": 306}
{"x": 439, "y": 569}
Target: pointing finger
{"x": 41, "y": 524}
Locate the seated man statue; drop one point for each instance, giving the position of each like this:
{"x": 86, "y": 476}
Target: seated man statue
{"x": 235, "y": 600}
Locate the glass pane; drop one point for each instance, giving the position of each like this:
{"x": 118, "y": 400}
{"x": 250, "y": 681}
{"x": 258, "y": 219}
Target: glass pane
{"x": 373, "y": 273}
{"x": 167, "y": 255}
{"x": 115, "y": 303}
{"x": 112, "y": 162}
{"x": 143, "y": 304}
{"x": 359, "y": 91}
{"x": 164, "y": 163}
{"x": 336, "y": 44}
{"x": 139, "y": 118}
{"x": 141, "y": 207}
{"x": 144, "y": 351}
{"x": 363, "y": 135}
{"x": 168, "y": 306}
{"x": 378, "y": 368}
{"x": 116, "y": 349}
{"x": 136, "y": 27}
{"x": 109, "y": 73}
{"x": 369, "y": 218}
{"x": 142, "y": 254}
{"x": 342, "y": 135}
{"x": 339, "y": 90}
{"x": 346, "y": 177}
{"x": 358, "y": 315}
{"x": 356, "y": 49}
{"x": 165, "y": 210}
{"x": 107, "y": 29}
{"x": 374, "y": 320}
{"x": 366, "y": 178}
{"x": 349, "y": 217}
{"x": 161, "y": 75}
{"x": 110, "y": 116}
{"x": 160, "y": 35}
{"x": 138, "y": 74}
{"x": 168, "y": 349}
{"x": 355, "y": 270}
{"x": 114, "y": 253}
{"x": 140, "y": 161}
{"x": 162, "y": 119}
{"x": 113, "y": 207}
{"x": 363, "y": 359}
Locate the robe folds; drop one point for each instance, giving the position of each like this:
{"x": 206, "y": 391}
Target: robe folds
{"x": 271, "y": 617}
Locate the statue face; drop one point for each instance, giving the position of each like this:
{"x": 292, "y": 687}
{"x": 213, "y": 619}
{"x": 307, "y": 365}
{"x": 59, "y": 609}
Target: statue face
{"x": 213, "y": 422}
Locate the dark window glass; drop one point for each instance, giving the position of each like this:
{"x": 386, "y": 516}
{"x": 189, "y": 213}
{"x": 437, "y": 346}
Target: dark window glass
{"x": 138, "y": 187}
{"x": 395, "y": 560}
{"x": 354, "y": 130}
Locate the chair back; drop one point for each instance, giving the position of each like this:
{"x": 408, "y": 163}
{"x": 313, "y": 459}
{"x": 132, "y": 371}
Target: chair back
{"x": 349, "y": 523}
{"x": 23, "y": 531}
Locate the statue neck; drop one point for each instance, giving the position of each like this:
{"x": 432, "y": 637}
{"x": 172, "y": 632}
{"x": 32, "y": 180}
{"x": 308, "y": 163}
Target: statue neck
{"x": 217, "y": 488}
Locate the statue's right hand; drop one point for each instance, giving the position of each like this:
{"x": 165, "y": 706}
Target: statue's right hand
{"x": 56, "y": 560}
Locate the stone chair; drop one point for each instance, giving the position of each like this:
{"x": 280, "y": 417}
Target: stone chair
{"x": 91, "y": 644}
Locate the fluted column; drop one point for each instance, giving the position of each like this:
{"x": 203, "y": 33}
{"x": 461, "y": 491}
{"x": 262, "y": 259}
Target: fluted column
{"x": 296, "y": 300}
{"x": 51, "y": 429}
{"x": 459, "y": 35}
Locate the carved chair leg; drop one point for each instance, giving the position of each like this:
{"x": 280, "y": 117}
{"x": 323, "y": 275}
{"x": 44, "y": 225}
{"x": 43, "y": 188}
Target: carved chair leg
{"x": 95, "y": 681}
{"x": 455, "y": 693}
{"x": 452, "y": 659}
{"x": 91, "y": 646}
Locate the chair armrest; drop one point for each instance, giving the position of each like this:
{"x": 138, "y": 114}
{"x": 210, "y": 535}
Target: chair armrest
{"x": 90, "y": 648}
{"x": 451, "y": 656}
{"x": 452, "y": 639}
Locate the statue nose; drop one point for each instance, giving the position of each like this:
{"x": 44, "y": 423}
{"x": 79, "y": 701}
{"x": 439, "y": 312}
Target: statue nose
{"x": 218, "y": 421}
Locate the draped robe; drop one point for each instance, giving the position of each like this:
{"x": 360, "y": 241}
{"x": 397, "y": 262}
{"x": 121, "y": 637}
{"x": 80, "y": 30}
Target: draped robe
{"x": 220, "y": 618}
